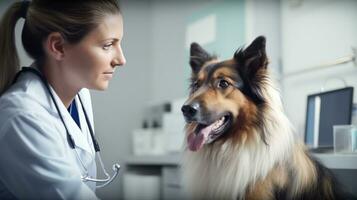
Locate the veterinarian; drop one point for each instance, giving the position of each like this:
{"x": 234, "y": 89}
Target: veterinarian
{"x": 47, "y": 142}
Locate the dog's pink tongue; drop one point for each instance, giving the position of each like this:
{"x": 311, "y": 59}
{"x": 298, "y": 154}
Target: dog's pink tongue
{"x": 196, "y": 141}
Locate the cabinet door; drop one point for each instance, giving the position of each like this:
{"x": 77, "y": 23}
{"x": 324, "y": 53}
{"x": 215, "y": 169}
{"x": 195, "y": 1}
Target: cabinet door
{"x": 172, "y": 184}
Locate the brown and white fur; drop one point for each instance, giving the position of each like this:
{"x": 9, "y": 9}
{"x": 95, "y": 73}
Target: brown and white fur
{"x": 251, "y": 152}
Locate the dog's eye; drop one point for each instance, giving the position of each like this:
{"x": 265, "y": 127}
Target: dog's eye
{"x": 223, "y": 84}
{"x": 194, "y": 86}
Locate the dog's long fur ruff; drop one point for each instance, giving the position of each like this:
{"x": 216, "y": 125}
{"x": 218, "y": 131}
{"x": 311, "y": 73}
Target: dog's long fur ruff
{"x": 258, "y": 156}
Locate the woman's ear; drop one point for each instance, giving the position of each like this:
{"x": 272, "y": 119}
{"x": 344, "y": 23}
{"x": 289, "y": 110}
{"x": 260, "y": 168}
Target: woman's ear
{"x": 54, "y": 45}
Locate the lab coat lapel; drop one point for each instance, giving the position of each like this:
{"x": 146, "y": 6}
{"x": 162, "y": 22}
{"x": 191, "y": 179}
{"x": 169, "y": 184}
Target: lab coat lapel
{"x": 79, "y": 137}
{"x": 84, "y": 124}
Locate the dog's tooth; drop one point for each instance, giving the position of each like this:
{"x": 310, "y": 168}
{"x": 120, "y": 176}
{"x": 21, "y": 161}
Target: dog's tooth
{"x": 218, "y": 123}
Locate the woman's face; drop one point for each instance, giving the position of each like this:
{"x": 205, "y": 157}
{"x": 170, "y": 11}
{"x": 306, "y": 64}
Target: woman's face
{"x": 91, "y": 62}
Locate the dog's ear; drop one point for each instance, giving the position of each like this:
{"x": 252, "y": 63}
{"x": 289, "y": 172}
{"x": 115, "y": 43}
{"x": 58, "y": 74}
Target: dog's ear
{"x": 250, "y": 60}
{"x": 253, "y": 57}
{"x": 198, "y": 57}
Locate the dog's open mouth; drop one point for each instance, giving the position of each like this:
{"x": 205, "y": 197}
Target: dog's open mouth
{"x": 205, "y": 134}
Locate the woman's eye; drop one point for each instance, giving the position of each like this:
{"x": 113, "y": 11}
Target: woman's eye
{"x": 223, "y": 84}
{"x": 107, "y": 46}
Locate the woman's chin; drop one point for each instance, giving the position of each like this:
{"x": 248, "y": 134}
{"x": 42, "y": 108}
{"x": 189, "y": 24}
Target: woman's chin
{"x": 101, "y": 87}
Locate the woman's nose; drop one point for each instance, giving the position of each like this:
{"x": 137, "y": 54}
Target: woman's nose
{"x": 119, "y": 60}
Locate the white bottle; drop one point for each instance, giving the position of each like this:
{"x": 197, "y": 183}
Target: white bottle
{"x": 159, "y": 141}
{"x": 142, "y": 140}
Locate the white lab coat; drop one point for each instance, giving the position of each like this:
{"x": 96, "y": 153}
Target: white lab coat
{"x": 36, "y": 161}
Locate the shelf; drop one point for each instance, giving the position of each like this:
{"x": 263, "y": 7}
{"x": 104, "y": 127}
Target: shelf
{"x": 161, "y": 160}
{"x": 337, "y": 161}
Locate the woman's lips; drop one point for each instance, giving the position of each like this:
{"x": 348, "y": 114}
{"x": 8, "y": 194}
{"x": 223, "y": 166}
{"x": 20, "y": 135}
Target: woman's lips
{"x": 108, "y": 74}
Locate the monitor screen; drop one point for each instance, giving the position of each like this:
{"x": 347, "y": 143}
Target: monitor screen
{"x": 325, "y": 110}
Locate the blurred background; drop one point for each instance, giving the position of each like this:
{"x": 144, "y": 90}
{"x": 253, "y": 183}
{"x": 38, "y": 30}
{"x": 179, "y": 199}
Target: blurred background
{"x": 138, "y": 121}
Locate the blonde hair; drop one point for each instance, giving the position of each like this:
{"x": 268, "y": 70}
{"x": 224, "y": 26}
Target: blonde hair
{"x": 72, "y": 19}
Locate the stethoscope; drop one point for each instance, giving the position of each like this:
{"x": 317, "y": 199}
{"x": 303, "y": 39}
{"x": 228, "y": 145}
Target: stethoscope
{"x": 70, "y": 140}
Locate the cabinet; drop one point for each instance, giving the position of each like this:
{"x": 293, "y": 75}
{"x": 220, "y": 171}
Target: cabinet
{"x": 167, "y": 167}
{"x": 344, "y": 167}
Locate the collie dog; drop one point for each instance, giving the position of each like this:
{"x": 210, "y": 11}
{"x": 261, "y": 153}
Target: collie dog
{"x": 240, "y": 144}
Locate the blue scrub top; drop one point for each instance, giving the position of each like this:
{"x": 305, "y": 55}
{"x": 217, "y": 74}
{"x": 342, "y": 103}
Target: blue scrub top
{"x": 72, "y": 109}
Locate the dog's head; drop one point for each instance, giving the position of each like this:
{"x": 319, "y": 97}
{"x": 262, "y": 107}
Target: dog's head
{"x": 226, "y": 97}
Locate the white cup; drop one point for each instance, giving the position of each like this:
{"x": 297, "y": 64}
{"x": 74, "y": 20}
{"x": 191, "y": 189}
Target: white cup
{"x": 345, "y": 138}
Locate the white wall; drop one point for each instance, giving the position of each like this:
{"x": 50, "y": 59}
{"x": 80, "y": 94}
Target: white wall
{"x": 168, "y": 28}
{"x": 314, "y": 32}
{"x": 264, "y": 18}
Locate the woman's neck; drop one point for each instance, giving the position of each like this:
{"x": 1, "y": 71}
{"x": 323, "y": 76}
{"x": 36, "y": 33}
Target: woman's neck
{"x": 60, "y": 82}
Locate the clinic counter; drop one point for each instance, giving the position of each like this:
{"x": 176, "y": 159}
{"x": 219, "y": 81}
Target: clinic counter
{"x": 162, "y": 160}
{"x": 329, "y": 159}
{"x": 337, "y": 160}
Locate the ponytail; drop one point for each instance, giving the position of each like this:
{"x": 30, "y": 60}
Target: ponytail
{"x": 9, "y": 59}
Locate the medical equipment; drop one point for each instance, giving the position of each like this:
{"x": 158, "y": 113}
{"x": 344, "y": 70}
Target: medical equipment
{"x": 323, "y": 111}
{"x": 85, "y": 177}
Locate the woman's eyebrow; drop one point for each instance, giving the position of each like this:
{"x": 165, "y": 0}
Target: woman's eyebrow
{"x": 110, "y": 39}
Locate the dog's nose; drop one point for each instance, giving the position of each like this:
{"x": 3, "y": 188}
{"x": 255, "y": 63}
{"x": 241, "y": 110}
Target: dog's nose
{"x": 190, "y": 110}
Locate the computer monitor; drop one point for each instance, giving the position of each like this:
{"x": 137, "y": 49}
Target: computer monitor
{"x": 324, "y": 110}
